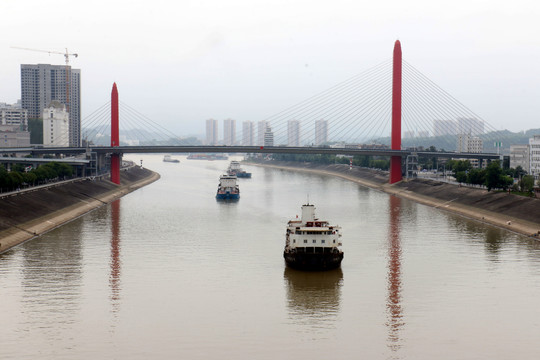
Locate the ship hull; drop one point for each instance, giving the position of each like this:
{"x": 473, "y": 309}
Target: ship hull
{"x": 227, "y": 196}
{"x": 243, "y": 175}
{"x": 313, "y": 261}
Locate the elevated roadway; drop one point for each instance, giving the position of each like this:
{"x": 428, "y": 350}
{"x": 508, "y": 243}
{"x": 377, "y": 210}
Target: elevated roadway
{"x": 102, "y": 150}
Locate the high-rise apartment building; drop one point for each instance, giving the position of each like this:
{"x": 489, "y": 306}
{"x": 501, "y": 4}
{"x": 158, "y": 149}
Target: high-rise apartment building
{"x": 268, "y": 136}
{"x": 475, "y": 145}
{"x": 293, "y": 133}
{"x": 261, "y": 129}
{"x": 43, "y": 83}
{"x": 229, "y": 132}
{"x": 55, "y": 125}
{"x": 321, "y": 132}
{"x": 519, "y": 156}
{"x": 470, "y": 126}
{"x": 534, "y": 156}
{"x": 444, "y": 127}
{"x": 409, "y": 134}
{"x": 469, "y": 144}
{"x": 211, "y": 132}
{"x": 248, "y": 135}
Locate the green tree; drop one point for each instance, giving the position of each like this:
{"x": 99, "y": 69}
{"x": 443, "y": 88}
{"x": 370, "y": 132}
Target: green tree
{"x": 495, "y": 177}
{"x": 65, "y": 170}
{"x": 29, "y": 178}
{"x": 506, "y": 181}
{"x": 476, "y": 176}
{"x": 461, "y": 176}
{"x": 44, "y": 172}
{"x": 61, "y": 170}
{"x": 460, "y": 165}
{"x": 526, "y": 183}
{"x": 49, "y": 171}
{"x": 4, "y": 177}
{"x": 519, "y": 172}
{"x": 18, "y": 168}
{"x": 380, "y": 164}
{"x": 15, "y": 179}
{"x": 361, "y": 160}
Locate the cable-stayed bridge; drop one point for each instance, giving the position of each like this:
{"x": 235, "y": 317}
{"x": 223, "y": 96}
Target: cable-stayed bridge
{"x": 159, "y": 149}
{"x": 389, "y": 110}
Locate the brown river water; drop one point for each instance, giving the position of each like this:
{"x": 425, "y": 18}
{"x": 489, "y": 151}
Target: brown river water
{"x": 167, "y": 272}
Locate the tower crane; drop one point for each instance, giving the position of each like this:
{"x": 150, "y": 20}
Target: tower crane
{"x": 66, "y": 57}
{"x": 66, "y": 54}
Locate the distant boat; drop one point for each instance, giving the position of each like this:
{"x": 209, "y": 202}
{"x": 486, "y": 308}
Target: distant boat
{"x": 312, "y": 244}
{"x": 227, "y": 188}
{"x": 235, "y": 169}
{"x": 168, "y": 158}
{"x": 203, "y": 156}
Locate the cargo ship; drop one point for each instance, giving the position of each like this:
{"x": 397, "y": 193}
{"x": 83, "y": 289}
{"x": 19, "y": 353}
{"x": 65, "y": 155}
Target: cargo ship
{"x": 311, "y": 243}
{"x": 204, "y": 156}
{"x": 168, "y": 158}
{"x": 236, "y": 169}
{"x": 227, "y": 188}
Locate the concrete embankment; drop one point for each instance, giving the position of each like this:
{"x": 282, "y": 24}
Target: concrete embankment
{"x": 513, "y": 212}
{"x": 28, "y": 214}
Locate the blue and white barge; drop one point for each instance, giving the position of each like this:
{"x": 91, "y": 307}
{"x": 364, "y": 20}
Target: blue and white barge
{"x": 228, "y": 188}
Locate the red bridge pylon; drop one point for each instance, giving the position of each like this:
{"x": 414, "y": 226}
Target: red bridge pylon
{"x": 115, "y": 136}
{"x": 395, "y": 161}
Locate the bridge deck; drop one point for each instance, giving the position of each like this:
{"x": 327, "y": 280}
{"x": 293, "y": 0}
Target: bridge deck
{"x": 245, "y": 149}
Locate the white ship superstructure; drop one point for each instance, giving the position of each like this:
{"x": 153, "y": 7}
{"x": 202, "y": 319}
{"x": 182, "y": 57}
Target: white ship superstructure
{"x": 234, "y": 166}
{"x": 312, "y": 243}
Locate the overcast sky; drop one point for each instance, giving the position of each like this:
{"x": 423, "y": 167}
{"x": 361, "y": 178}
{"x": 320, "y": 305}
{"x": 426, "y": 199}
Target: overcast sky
{"x": 181, "y": 62}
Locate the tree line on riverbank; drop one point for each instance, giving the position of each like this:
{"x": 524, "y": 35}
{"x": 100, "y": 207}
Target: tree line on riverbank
{"x": 357, "y": 160}
{"x": 21, "y": 176}
{"x": 494, "y": 176}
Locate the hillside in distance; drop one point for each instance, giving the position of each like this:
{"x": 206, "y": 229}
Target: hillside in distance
{"x": 135, "y": 137}
{"x": 449, "y": 142}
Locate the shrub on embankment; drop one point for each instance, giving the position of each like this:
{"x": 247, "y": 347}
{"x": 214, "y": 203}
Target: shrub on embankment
{"x": 376, "y": 162}
{"x": 18, "y": 176}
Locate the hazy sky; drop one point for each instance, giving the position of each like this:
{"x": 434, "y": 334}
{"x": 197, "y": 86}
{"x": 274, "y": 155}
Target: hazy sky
{"x": 181, "y": 62}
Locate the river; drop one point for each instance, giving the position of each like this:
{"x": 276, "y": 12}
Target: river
{"x": 167, "y": 272}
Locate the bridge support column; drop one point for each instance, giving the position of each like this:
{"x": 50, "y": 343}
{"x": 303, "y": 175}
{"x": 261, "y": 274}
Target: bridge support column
{"x": 395, "y": 161}
{"x": 115, "y": 136}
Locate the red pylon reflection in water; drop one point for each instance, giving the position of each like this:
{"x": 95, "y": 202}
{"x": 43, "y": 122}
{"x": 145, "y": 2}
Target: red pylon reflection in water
{"x": 393, "y": 302}
{"x": 114, "y": 279}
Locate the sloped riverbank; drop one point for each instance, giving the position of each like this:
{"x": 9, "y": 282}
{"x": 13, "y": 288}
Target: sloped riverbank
{"x": 28, "y": 214}
{"x": 512, "y": 212}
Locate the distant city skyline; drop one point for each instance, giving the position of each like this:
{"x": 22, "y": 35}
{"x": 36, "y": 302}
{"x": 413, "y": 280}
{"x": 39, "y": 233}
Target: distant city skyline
{"x": 212, "y": 132}
{"x": 293, "y": 133}
{"x": 248, "y": 61}
{"x": 229, "y": 132}
{"x": 248, "y": 133}
{"x": 321, "y": 132}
